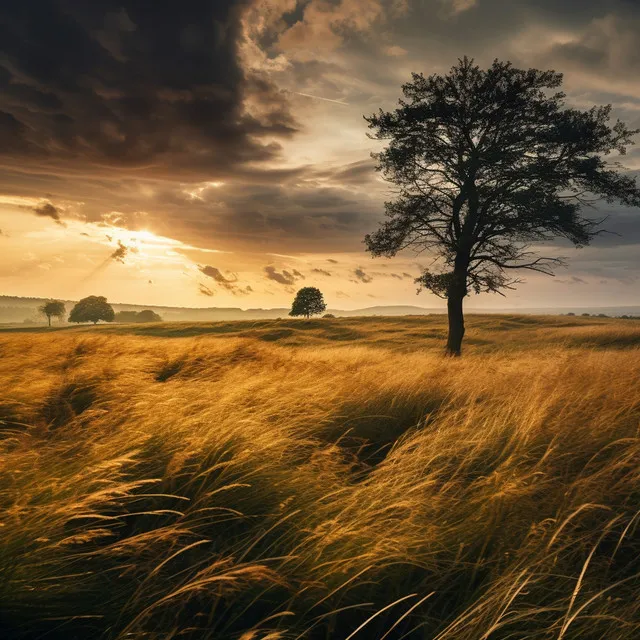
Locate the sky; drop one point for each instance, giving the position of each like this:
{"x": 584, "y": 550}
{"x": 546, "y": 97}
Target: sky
{"x": 214, "y": 152}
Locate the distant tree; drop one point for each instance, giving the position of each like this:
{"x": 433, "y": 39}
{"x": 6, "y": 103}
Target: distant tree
{"x": 571, "y": 313}
{"x": 92, "y": 309}
{"x": 148, "y": 316}
{"x": 53, "y": 309}
{"x": 308, "y": 302}
{"x": 328, "y": 315}
{"x": 137, "y": 316}
{"x": 487, "y": 164}
{"x": 126, "y": 316}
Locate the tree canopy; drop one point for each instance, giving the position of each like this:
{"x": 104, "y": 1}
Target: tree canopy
{"x": 308, "y": 302}
{"x": 53, "y": 309}
{"x": 92, "y": 309}
{"x": 489, "y": 164}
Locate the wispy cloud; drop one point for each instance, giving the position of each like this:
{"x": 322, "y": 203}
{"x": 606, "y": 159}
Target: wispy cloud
{"x": 285, "y": 277}
{"x": 48, "y": 210}
{"x": 361, "y": 276}
{"x": 227, "y": 282}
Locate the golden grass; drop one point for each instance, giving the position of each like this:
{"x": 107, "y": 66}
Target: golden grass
{"x": 322, "y": 479}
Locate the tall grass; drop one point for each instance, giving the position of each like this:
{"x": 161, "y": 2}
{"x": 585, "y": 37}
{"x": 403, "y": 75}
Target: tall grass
{"x": 304, "y": 485}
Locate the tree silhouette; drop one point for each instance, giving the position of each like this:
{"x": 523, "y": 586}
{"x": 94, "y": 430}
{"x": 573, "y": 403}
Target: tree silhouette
{"x": 308, "y": 302}
{"x": 147, "y": 315}
{"x": 489, "y": 163}
{"x": 53, "y": 309}
{"x": 92, "y": 309}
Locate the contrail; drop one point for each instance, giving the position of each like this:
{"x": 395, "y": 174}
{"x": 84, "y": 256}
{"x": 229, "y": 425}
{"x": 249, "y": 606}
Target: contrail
{"x": 308, "y": 95}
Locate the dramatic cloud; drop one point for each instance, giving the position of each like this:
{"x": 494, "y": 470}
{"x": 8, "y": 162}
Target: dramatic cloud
{"x": 285, "y": 277}
{"x": 125, "y": 85}
{"x": 304, "y": 31}
{"x": 236, "y": 126}
{"x": 47, "y": 210}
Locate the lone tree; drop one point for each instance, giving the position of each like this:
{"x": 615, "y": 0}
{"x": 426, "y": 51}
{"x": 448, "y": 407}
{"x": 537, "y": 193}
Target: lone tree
{"x": 92, "y": 309}
{"x": 489, "y": 163}
{"x": 308, "y": 302}
{"x": 53, "y": 309}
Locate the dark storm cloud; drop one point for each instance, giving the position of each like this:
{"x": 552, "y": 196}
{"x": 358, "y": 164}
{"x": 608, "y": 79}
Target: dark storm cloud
{"x": 128, "y": 84}
{"x": 284, "y": 277}
{"x": 123, "y": 106}
{"x": 47, "y": 210}
{"x": 296, "y": 214}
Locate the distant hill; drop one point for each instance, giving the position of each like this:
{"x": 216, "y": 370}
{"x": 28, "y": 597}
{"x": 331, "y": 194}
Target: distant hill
{"x": 15, "y": 309}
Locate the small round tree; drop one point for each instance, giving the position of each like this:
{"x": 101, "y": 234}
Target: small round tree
{"x": 92, "y": 309}
{"x": 147, "y": 315}
{"x": 308, "y": 302}
{"x": 53, "y": 309}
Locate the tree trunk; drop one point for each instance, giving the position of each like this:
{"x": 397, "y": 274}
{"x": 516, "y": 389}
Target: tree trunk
{"x": 456, "y": 324}
{"x": 455, "y": 297}
{"x": 49, "y": 319}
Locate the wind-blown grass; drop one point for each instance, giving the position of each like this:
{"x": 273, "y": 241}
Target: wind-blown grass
{"x": 205, "y": 481}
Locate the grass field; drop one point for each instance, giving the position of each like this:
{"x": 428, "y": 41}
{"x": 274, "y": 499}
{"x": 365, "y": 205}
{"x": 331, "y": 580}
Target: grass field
{"x": 321, "y": 479}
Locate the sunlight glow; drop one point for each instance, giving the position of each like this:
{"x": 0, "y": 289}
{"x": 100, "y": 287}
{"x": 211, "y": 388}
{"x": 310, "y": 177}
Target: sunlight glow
{"x": 196, "y": 193}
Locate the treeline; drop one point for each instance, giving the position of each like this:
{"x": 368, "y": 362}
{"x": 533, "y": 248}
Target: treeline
{"x": 604, "y": 315}
{"x": 90, "y": 309}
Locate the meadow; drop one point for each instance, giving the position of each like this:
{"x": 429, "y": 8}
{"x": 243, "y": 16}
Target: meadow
{"x": 331, "y": 478}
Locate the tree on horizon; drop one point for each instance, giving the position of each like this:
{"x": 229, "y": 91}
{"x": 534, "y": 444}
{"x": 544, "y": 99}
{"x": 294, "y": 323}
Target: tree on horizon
{"x": 308, "y": 302}
{"x": 488, "y": 164}
{"x": 92, "y": 309}
{"x": 53, "y": 309}
{"x": 146, "y": 315}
